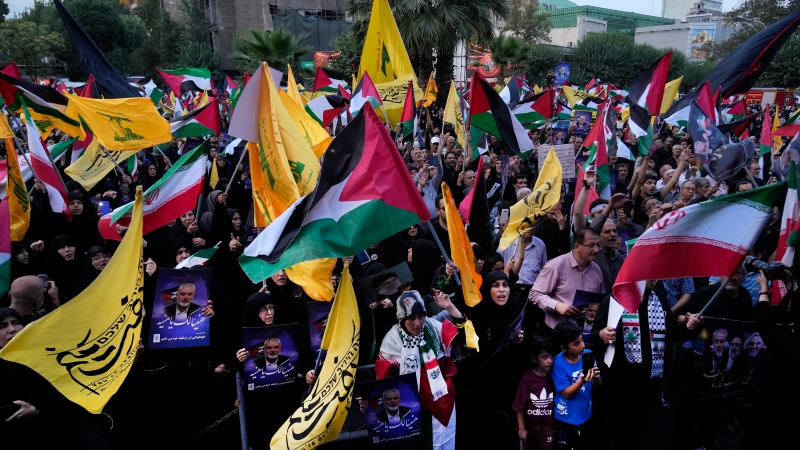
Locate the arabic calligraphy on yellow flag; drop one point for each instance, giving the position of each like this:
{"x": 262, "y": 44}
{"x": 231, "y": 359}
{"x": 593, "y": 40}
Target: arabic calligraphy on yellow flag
{"x": 453, "y": 115}
{"x": 461, "y": 251}
{"x": 5, "y": 130}
{"x": 546, "y": 194}
{"x": 94, "y": 164}
{"x": 323, "y": 412}
{"x": 19, "y": 206}
{"x": 573, "y": 95}
{"x": 393, "y": 96}
{"x": 121, "y": 123}
{"x": 384, "y": 55}
{"x": 86, "y": 348}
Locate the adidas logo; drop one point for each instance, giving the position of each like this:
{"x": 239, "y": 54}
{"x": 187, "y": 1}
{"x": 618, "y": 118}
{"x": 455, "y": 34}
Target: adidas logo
{"x": 543, "y": 400}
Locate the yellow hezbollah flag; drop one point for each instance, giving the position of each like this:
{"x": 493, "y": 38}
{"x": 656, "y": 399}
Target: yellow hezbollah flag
{"x": 384, "y": 55}
{"x": 121, "y": 123}
{"x": 324, "y": 411}
{"x": 213, "y": 179}
{"x": 546, "y": 194}
{"x": 461, "y": 250}
{"x": 536, "y": 89}
{"x": 776, "y": 140}
{"x": 94, "y": 164}
{"x": 573, "y": 95}
{"x": 310, "y": 129}
{"x": 86, "y": 347}
{"x": 19, "y": 206}
{"x": 291, "y": 89}
{"x": 670, "y": 94}
{"x": 393, "y": 96}
{"x": 5, "y": 130}
{"x": 453, "y": 114}
{"x": 431, "y": 91}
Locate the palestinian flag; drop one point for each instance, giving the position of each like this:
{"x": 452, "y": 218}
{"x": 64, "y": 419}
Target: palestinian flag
{"x": 706, "y": 101}
{"x": 326, "y": 80}
{"x": 511, "y": 94}
{"x": 789, "y": 236}
{"x": 598, "y": 141}
{"x": 365, "y": 92}
{"x": 409, "y": 116}
{"x": 326, "y": 108}
{"x": 739, "y": 127}
{"x": 349, "y": 210}
{"x": 198, "y": 259}
{"x": 43, "y": 168}
{"x": 11, "y": 69}
{"x": 733, "y": 112}
{"x": 229, "y": 86}
{"x": 151, "y": 90}
{"x": 641, "y": 125}
{"x": 647, "y": 89}
{"x": 188, "y": 79}
{"x": 534, "y": 112}
{"x": 790, "y": 127}
{"x": 170, "y": 197}
{"x": 489, "y": 113}
{"x": 46, "y": 104}
{"x": 704, "y": 251}
{"x": 765, "y": 143}
{"x": 563, "y": 112}
{"x": 5, "y": 247}
{"x": 203, "y": 121}
{"x": 88, "y": 90}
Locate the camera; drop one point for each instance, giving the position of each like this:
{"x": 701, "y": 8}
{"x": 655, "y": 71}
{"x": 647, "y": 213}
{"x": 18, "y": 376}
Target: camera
{"x": 773, "y": 270}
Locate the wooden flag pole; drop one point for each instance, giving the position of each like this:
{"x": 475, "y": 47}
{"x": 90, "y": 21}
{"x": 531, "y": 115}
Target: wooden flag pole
{"x": 235, "y": 169}
{"x": 441, "y": 249}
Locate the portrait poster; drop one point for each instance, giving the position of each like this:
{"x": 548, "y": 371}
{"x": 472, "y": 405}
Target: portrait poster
{"x": 582, "y": 121}
{"x": 566, "y": 156}
{"x": 177, "y": 320}
{"x": 318, "y": 313}
{"x": 273, "y": 356}
{"x": 393, "y": 412}
{"x": 561, "y": 74}
{"x": 707, "y": 140}
{"x": 392, "y": 279}
{"x": 727, "y": 355}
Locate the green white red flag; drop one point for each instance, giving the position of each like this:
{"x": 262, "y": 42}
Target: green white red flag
{"x": 790, "y": 232}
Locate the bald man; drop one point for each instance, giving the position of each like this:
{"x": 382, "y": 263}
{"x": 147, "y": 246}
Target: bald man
{"x": 28, "y": 295}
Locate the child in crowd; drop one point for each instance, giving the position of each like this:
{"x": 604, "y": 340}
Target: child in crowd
{"x": 534, "y": 400}
{"x": 573, "y": 399}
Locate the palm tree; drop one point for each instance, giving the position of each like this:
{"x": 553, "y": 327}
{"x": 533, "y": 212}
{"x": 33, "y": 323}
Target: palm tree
{"x": 278, "y": 48}
{"x": 508, "y": 51}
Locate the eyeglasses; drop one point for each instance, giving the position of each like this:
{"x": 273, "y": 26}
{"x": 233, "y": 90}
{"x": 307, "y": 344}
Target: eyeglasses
{"x": 100, "y": 256}
{"x": 268, "y": 308}
{"x": 597, "y": 246}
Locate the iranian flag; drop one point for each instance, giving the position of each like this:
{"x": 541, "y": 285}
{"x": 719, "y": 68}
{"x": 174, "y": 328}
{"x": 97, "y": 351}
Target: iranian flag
{"x": 765, "y": 143}
{"x": 364, "y": 195}
{"x": 534, "y": 112}
{"x": 326, "y": 108}
{"x": 696, "y": 241}
{"x": 790, "y": 232}
{"x": 170, "y": 197}
{"x": 187, "y": 79}
{"x": 326, "y": 80}
{"x": 43, "y": 168}
{"x": 489, "y": 113}
{"x": 790, "y": 127}
{"x": 408, "y": 118}
{"x": 597, "y": 141}
{"x": 365, "y": 92}
{"x": 202, "y": 121}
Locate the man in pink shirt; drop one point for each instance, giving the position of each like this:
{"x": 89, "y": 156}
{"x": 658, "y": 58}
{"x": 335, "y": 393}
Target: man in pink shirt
{"x": 559, "y": 280}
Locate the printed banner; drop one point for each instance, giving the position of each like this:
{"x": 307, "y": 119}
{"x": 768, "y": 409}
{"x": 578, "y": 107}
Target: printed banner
{"x": 177, "y": 320}
{"x": 273, "y": 356}
{"x": 393, "y": 411}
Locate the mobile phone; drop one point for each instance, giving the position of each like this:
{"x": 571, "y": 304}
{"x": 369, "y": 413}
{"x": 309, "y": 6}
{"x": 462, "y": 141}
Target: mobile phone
{"x": 588, "y": 362}
{"x": 504, "y": 215}
{"x": 104, "y": 207}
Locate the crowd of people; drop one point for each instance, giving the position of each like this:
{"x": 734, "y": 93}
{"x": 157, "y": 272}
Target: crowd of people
{"x": 541, "y": 378}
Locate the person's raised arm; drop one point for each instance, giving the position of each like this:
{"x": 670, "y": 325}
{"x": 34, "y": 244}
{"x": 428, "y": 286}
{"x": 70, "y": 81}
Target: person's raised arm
{"x": 578, "y": 217}
{"x": 640, "y": 176}
{"x": 676, "y": 175}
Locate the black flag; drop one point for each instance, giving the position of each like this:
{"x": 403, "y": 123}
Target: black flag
{"x": 109, "y": 83}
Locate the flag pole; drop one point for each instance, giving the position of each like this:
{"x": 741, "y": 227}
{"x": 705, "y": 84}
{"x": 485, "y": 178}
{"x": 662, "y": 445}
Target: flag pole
{"x": 22, "y": 152}
{"x": 108, "y": 154}
{"x": 722, "y": 282}
{"x": 383, "y": 108}
{"x": 441, "y": 249}
{"x": 235, "y": 169}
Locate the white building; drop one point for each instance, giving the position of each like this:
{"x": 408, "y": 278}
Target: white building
{"x": 678, "y": 9}
{"x": 569, "y": 37}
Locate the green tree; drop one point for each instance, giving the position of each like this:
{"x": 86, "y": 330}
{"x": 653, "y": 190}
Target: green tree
{"x": 27, "y": 44}
{"x": 158, "y": 49}
{"x": 278, "y": 48}
{"x": 508, "y": 52}
{"x": 196, "y": 48}
{"x": 348, "y": 48}
{"x": 3, "y": 10}
{"x": 694, "y": 72}
{"x": 526, "y": 20}
{"x": 540, "y": 61}
{"x": 604, "y": 55}
{"x": 784, "y": 71}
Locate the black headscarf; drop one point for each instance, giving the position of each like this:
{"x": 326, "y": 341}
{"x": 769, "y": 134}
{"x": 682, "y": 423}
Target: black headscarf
{"x": 253, "y": 307}
{"x": 65, "y": 274}
{"x": 425, "y": 259}
{"x": 89, "y": 272}
{"x": 492, "y": 319}
{"x": 175, "y": 245}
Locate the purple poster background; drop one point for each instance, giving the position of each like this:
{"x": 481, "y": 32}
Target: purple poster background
{"x": 392, "y": 426}
{"x": 171, "y": 328}
{"x": 261, "y": 373}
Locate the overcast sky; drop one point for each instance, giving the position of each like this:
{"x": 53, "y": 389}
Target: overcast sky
{"x": 651, "y": 7}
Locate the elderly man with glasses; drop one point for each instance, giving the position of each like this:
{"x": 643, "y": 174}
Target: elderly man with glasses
{"x": 563, "y": 277}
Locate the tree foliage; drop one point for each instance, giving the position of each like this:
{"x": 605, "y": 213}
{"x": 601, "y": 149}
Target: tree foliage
{"x": 348, "y": 53}
{"x": 694, "y": 72}
{"x": 278, "y": 48}
{"x": 27, "y": 44}
{"x": 541, "y": 60}
{"x": 527, "y": 21}
{"x": 508, "y": 52}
